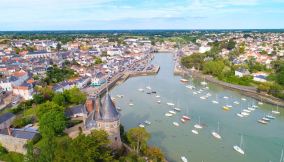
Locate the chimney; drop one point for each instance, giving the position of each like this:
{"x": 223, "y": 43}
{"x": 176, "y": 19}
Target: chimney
{"x": 89, "y": 105}
{"x": 9, "y": 131}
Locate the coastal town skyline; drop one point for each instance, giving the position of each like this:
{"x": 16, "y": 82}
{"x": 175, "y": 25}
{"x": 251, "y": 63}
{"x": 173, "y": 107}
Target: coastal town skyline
{"x": 127, "y": 15}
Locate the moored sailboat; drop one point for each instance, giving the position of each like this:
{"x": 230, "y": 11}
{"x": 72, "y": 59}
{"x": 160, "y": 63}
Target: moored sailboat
{"x": 239, "y": 148}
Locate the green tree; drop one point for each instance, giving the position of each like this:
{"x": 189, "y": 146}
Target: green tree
{"x": 155, "y": 154}
{"x": 138, "y": 138}
{"x": 194, "y": 60}
{"x": 59, "y": 99}
{"x": 52, "y": 122}
{"x": 231, "y": 44}
{"x": 47, "y": 106}
{"x": 75, "y": 96}
{"x": 214, "y": 68}
{"x": 87, "y": 148}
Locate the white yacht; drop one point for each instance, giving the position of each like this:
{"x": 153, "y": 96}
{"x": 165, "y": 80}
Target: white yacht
{"x": 236, "y": 102}
{"x": 141, "y": 125}
{"x": 176, "y": 124}
{"x": 270, "y": 116}
{"x": 172, "y": 112}
{"x": 177, "y": 109}
{"x": 183, "y": 159}
{"x": 275, "y": 111}
{"x": 170, "y": 104}
{"x": 141, "y": 89}
{"x": 216, "y": 133}
{"x": 168, "y": 114}
{"x": 239, "y": 148}
{"x": 147, "y": 122}
{"x": 240, "y": 115}
{"x": 262, "y": 121}
{"x": 198, "y": 126}
{"x": 194, "y": 131}
{"x": 202, "y": 97}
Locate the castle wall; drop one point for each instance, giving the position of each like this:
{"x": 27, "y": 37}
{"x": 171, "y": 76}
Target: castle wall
{"x": 13, "y": 144}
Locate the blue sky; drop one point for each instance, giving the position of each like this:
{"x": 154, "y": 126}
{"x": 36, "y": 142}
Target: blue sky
{"x": 140, "y": 14}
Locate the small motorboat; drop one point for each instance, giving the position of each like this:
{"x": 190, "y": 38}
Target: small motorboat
{"x": 157, "y": 96}
{"x": 266, "y": 119}
{"x": 260, "y": 103}
{"x": 118, "y": 108}
{"x": 159, "y": 101}
{"x": 194, "y": 131}
{"x": 198, "y": 126}
{"x": 229, "y": 106}
{"x": 262, "y": 121}
{"x": 216, "y": 135}
{"x": 119, "y": 96}
{"x": 225, "y": 97}
{"x": 246, "y": 110}
{"x": 186, "y": 117}
{"x": 148, "y": 87}
{"x": 245, "y": 114}
{"x": 189, "y": 86}
{"x": 130, "y": 104}
{"x": 270, "y": 116}
{"x": 243, "y": 99}
{"x": 176, "y": 124}
{"x": 168, "y": 114}
{"x": 194, "y": 93}
{"x": 203, "y": 83}
{"x": 182, "y": 120}
{"x": 240, "y": 115}
{"x": 141, "y": 125}
{"x": 141, "y": 89}
{"x": 183, "y": 159}
{"x": 236, "y": 102}
{"x": 183, "y": 80}
{"x": 172, "y": 112}
{"x": 177, "y": 109}
{"x": 239, "y": 150}
{"x": 202, "y": 97}
{"x": 226, "y": 108}
{"x": 215, "y": 102}
{"x": 251, "y": 108}
{"x": 170, "y": 104}
{"x": 254, "y": 106}
{"x": 147, "y": 122}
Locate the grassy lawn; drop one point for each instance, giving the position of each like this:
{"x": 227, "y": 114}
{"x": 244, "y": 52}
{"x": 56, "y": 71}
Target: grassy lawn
{"x": 12, "y": 156}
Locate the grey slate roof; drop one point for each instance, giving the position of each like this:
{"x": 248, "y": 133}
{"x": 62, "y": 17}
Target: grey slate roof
{"x": 6, "y": 117}
{"x": 108, "y": 111}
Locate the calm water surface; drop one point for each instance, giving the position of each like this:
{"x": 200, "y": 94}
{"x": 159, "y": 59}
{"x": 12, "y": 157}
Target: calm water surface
{"x": 262, "y": 143}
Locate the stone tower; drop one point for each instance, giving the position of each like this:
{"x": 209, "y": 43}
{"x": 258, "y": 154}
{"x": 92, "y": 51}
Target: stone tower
{"x": 105, "y": 117}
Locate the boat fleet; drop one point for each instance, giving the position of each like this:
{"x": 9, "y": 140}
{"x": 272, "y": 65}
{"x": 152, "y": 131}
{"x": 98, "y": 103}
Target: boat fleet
{"x": 174, "y": 110}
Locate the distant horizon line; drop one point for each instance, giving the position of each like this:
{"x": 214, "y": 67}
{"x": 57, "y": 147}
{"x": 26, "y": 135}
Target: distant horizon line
{"x": 55, "y": 30}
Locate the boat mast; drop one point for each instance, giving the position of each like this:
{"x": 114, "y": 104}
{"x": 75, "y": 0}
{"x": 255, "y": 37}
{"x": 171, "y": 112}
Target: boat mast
{"x": 281, "y": 157}
{"x": 241, "y": 143}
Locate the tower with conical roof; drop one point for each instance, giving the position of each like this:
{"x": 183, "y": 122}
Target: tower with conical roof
{"x": 105, "y": 117}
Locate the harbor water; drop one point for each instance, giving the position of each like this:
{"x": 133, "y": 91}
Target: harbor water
{"x": 261, "y": 142}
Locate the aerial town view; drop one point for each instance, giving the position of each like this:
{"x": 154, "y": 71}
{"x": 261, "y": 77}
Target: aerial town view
{"x": 142, "y": 81}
